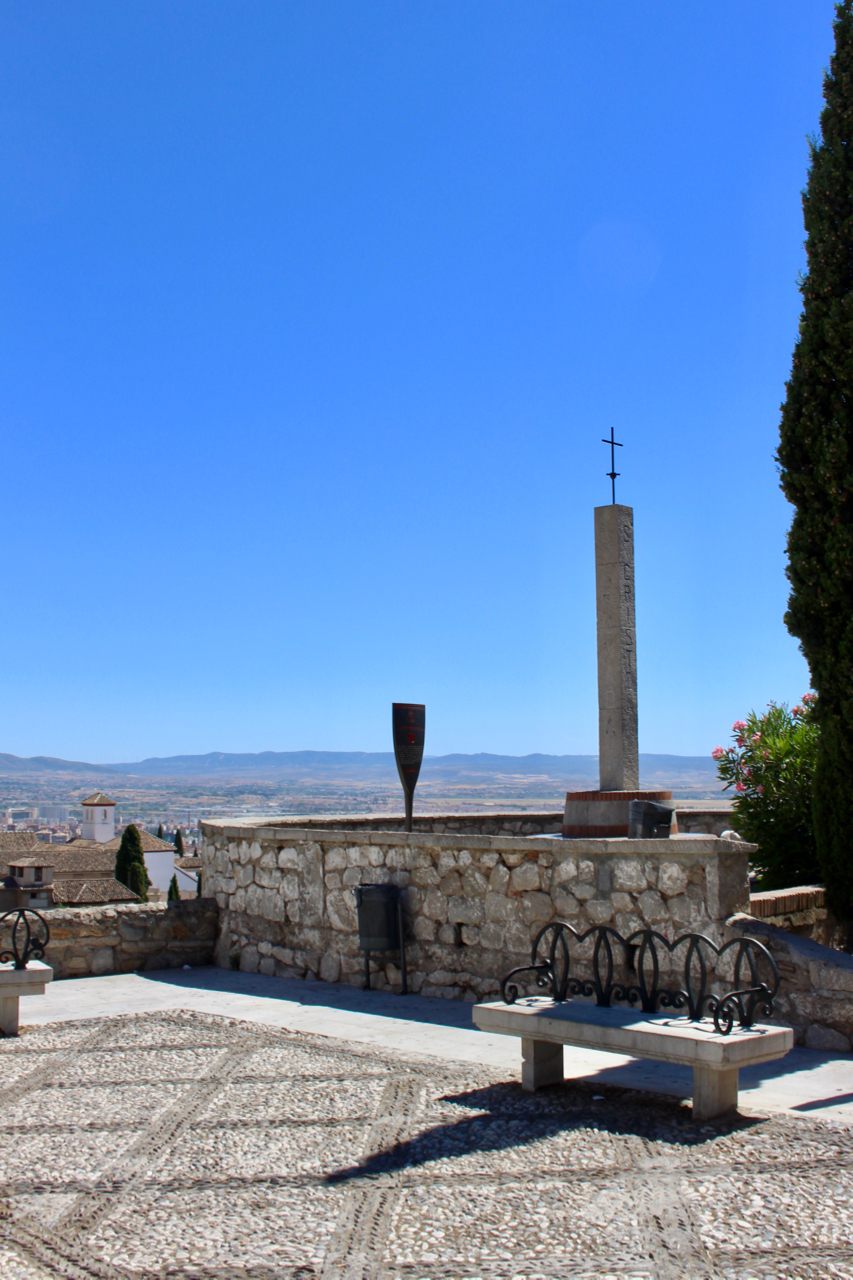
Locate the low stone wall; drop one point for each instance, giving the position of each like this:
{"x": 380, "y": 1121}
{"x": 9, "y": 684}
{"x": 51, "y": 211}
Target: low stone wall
{"x": 816, "y": 994}
{"x": 473, "y": 902}
{"x": 477, "y": 824}
{"x": 709, "y": 822}
{"x": 89, "y": 941}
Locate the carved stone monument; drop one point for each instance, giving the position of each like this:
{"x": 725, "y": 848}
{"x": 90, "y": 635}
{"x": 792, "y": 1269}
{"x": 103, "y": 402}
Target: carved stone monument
{"x": 606, "y": 812}
{"x": 618, "y": 750}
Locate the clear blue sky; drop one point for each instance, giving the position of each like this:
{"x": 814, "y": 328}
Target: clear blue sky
{"x": 313, "y": 318}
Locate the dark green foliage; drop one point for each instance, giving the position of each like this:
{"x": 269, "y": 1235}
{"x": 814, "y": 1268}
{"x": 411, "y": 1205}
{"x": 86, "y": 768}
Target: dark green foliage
{"x": 816, "y": 460}
{"x": 129, "y": 852}
{"x": 130, "y": 863}
{"x": 160, "y": 832}
{"x": 198, "y": 885}
{"x": 174, "y": 894}
{"x": 137, "y": 881}
{"x": 832, "y": 813}
{"x": 179, "y": 843}
{"x": 771, "y": 767}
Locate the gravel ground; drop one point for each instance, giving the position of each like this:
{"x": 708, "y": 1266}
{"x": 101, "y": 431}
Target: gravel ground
{"x": 194, "y": 1147}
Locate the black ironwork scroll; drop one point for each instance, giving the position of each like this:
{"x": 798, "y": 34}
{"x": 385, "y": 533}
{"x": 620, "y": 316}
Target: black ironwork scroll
{"x": 28, "y": 940}
{"x": 754, "y": 973}
{"x": 409, "y": 725}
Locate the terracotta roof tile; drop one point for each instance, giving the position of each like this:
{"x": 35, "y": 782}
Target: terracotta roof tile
{"x": 17, "y": 841}
{"x": 92, "y": 892}
{"x": 75, "y": 859}
{"x": 98, "y": 798}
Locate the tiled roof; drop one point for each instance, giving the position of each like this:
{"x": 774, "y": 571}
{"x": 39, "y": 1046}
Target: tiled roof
{"x": 92, "y": 892}
{"x": 31, "y": 862}
{"x": 188, "y": 864}
{"x": 98, "y": 798}
{"x": 17, "y": 841}
{"x": 77, "y": 859}
{"x": 150, "y": 844}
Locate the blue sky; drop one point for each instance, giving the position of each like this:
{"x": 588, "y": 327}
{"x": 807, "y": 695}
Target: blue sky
{"x": 313, "y": 318}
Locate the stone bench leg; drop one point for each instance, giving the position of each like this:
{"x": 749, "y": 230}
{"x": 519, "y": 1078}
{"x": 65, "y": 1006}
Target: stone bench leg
{"x": 9, "y": 1015}
{"x": 541, "y": 1064}
{"x": 714, "y": 1092}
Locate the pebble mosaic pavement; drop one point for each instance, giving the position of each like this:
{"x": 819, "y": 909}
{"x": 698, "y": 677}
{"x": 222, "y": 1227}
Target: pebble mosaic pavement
{"x": 195, "y": 1147}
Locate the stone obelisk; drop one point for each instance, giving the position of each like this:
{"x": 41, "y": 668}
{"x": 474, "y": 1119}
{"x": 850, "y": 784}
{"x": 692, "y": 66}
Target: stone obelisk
{"x": 606, "y": 812}
{"x": 618, "y": 750}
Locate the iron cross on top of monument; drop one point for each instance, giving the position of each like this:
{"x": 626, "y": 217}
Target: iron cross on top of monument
{"x": 606, "y": 812}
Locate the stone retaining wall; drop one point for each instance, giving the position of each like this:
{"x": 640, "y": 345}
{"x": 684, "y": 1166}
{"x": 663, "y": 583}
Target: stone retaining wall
{"x": 473, "y": 902}
{"x": 122, "y": 938}
{"x": 816, "y": 994}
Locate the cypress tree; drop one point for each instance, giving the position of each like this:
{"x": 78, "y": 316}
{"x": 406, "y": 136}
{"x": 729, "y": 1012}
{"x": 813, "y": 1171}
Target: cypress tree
{"x": 160, "y": 832}
{"x": 129, "y": 852}
{"x": 138, "y": 881}
{"x": 179, "y": 843}
{"x": 198, "y": 885}
{"x": 816, "y": 462}
{"x": 174, "y": 894}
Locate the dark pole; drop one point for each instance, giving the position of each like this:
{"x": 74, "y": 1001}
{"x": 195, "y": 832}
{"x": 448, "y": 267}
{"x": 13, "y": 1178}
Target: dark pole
{"x": 405, "y": 986}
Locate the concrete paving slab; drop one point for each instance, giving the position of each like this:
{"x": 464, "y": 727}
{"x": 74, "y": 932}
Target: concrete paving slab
{"x": 803, "y": 1082}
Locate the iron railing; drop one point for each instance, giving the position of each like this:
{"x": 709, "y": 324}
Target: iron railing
{"x": 754, "y": 975}
{"x": 28, "y": 940}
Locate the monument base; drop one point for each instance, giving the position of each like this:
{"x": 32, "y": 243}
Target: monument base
{"x": 593, "y": 814}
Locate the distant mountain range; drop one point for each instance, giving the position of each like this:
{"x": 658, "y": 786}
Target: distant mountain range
{"x": 654, "y": 769}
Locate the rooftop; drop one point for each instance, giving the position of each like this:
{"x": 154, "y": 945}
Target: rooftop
{"x": 89, "y": 893}
{"x": 98, "y": 798}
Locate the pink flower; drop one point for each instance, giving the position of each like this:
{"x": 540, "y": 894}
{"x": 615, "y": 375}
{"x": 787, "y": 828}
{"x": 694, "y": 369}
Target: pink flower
{"x": 738, "y": 726}
{"x": 739, "y": 786}
{"x": 766, "y": 755}
{"x": 731, "y": 751}
{"x": 756, "y": 737}
{"x": 809, "y": 698}
{"x": 717, "y": 753}
{"x": 797, "y": 711}
{"x": 761, "y": 791}
{"x": 740, "y": 741}
{"x": 747, "y": 773}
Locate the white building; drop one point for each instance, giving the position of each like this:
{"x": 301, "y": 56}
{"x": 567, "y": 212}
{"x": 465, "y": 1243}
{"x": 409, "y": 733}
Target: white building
{"x": 99, "y": 818}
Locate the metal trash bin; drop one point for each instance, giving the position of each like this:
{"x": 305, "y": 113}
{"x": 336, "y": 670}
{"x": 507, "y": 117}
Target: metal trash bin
{"x": 648, "y": 820}
{"x": 380, "y": 924}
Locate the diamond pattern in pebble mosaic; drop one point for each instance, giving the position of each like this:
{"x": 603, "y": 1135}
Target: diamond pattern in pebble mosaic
{"x": 191, "y": 1147}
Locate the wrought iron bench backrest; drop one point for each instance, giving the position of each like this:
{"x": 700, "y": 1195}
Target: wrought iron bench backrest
{"x": 28, "y": 935}
{"x": 754, "y": 987}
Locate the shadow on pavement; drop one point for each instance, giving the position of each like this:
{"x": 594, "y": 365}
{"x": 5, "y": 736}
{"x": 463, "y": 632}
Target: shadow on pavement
{"x": 509, "y": 1118}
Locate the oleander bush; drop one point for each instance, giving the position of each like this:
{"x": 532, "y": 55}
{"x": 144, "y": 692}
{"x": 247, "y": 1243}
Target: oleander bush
{"x": 771, "y": 767}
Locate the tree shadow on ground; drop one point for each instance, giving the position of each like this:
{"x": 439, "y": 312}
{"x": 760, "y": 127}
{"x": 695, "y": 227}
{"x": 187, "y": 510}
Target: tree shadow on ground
{"x": 507, "y": 1117}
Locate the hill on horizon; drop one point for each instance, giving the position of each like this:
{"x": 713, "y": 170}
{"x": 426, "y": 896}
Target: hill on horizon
{"x": 378, "y": 764}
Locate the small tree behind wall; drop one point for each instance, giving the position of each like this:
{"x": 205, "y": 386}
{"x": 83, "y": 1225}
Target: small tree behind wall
{"x": 137, "y": 881}
{"x": 179, "y": 843}
{"x": 816, "y": 459}
{"x": 130, "y": 863}
{"x": 174, "y": 894}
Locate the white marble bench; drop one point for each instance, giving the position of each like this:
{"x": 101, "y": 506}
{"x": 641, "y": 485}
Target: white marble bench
{"x": 15, "y": 983}
{"x": 544, "y": 1026}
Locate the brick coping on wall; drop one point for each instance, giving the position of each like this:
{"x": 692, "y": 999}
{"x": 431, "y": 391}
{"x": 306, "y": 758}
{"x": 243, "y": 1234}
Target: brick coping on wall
{"x": 781, "y": 902}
